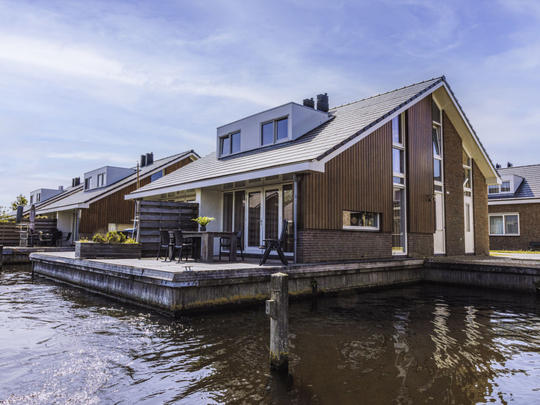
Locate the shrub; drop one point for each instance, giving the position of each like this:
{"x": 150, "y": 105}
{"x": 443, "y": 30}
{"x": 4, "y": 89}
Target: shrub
{"x": 130, "y": 241}
{"x": 115, "y": 237}
{"x": 99, "y": 238}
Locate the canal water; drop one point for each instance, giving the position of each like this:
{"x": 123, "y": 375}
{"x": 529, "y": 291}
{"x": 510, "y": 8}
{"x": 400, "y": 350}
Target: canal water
{"x": 411, "y": 345}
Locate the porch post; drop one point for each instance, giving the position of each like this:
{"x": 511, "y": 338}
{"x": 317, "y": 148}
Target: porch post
{"x": 295, "y": 215}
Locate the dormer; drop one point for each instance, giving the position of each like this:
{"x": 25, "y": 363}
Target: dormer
{"x": 509, "y": 185}
{"x": 43, "y": 194}
{"x": 276, "y": 126}
{"x": 105, "y": 176}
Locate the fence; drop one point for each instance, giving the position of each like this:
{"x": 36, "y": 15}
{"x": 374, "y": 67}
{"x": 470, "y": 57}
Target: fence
{"x": 156, "y": 215}
{"x": 9, "y": 234}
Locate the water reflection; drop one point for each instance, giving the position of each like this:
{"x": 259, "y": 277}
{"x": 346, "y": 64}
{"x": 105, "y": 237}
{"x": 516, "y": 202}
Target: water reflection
{"x": 411, "y": 345}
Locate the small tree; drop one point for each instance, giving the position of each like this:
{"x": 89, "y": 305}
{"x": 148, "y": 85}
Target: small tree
{"x": 21, "y": 200}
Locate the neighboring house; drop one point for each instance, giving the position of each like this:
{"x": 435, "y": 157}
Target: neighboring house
{"x": 43, "y": 194}
{"x": 514, "y": 209}
{"x": 97, "y": 203}
{"x": 400, "y": 173}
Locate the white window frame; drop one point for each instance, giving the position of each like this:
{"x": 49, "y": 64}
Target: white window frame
{"x": 504, "y": 215}
{"x": 364, "y": 228}
{"x": 468, "y": 167}
{"x": 229, "y": 136}
{"x": 403, "y": 186}
{"x": 439, "y": 157}
{"x": 100, "y": 179}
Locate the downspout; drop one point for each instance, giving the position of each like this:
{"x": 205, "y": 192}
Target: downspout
{"x": 295, "y": 216}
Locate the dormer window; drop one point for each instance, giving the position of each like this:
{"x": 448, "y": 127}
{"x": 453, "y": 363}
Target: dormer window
{"x": 505, "y": 187}
{"x": 87, "y": 183}
{"x": 101, "y": 179}
{"x": 229, "y": 143}
{"x": 274, "y": 131}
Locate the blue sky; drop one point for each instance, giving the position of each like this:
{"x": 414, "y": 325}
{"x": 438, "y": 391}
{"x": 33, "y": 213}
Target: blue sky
{"x": 87, "y": 84}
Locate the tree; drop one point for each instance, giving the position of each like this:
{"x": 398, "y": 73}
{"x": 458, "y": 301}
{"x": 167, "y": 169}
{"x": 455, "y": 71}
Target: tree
{"x": 21, "y": 200}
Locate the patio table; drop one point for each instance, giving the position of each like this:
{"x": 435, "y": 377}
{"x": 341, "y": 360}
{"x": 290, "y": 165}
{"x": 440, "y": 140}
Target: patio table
{"x": 207, "y": 243}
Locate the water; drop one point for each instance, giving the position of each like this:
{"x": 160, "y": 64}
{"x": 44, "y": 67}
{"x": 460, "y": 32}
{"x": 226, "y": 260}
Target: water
{"x": 413, "y": 345}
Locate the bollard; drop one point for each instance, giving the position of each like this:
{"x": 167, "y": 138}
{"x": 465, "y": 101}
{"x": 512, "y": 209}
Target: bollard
{"x": 277, "y": 307}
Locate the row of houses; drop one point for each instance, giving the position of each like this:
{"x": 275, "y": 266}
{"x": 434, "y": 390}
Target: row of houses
{"x": 399, "y": 173}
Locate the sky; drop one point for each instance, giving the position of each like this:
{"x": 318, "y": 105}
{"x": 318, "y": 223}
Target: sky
{"x": 90, "y": 83}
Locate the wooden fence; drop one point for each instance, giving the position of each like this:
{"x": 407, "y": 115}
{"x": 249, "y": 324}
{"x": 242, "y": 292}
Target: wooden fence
{"x": 9, "y": 234}
{"x": 156, "y": 215}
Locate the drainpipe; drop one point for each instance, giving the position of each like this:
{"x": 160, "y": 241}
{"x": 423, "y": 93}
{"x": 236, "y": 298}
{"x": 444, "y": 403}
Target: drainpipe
{"x": 295, "y": 215}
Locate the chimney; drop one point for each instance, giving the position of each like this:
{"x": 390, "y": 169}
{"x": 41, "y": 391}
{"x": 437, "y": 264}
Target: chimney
{"x": 143, "y": 160}
{"x": 77, "y": 181}
{"x": 322, "y": 102}
{"x": 149, "y": 158}
{"x": 509, "y": 164}
{"x": 73, "y": 182}
{"x": 308, "y": 102}
{"x": 60, "y": 188}
{"x": 497, "y": 166}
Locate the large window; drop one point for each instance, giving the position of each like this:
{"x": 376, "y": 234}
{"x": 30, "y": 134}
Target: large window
{"x": 399, "y": 237}
{"x": 467, "y": 174}
{"x": 505, "y": 187}
{"x": 229, "y": 143}
{"x": 436, "y": 138}
{"x": 274, "y": 131}
{"x": 156, "y": 176}
{"x": 361, "y": 220}
{"x": 504, "y": 224}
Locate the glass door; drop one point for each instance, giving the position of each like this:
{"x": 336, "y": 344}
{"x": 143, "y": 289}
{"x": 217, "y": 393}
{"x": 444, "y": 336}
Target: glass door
{"x": 271, "y": 214}
{"x": 254, "y": 219}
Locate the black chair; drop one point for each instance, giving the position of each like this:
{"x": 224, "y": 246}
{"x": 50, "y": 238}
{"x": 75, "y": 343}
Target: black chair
{"x": 275, "y": 244}
{"x": 65, "y": 241}
{"x": 181, "y": 245}
{"x": 225, "y": 245}
{"x": 164, "y": 243}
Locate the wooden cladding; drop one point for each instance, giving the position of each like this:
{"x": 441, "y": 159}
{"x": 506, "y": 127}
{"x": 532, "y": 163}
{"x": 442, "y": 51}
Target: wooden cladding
{"x": 420, "y": 168}
{"x": 359, "y": 179}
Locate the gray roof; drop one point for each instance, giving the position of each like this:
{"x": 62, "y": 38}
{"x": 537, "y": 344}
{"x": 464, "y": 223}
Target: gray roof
{"x": 348, "y": 121}
{"x": 529, "y": 187}
{"x": 84, "y": 197}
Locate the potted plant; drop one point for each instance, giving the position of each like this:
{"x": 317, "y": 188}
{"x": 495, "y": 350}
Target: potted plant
{"x": 112, "y": 245}
{"x": 203, "y": 221}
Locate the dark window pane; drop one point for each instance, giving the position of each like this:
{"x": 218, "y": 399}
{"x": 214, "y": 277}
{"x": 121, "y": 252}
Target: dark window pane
{"x": 396, "y": 130}
{"x": 398, "y": 222}
{"x": 397, "y": 160}
{"x": 225, "y": 145}
{"x": 282, "y": 128}
{"x": 268, "y": 133}
{"x": 436, "y": 137}
{"x": 156, "y": 176}
{"x": 254, "y": 219}
{"x": 437, "y": 173}
{"x": 227, "y": 211}
{"x": 271, "y": 212}
{"x": 435, "y": 112}
{"x": 235, "y": 142}
{"x": 399, "y": 180}
{"x": 239, "y": 210}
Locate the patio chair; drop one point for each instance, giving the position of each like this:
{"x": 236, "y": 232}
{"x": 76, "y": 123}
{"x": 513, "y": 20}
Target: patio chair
{"x": 275, "y": 244}
{"x": 181, "y": 245}
{"x": 225, "y": 245}
{"x": 44, "y": 238}
{"x": 164, "y": 243}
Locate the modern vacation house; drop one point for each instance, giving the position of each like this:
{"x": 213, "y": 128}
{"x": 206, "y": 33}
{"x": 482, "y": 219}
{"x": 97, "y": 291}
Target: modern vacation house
{"x": 400, "y": 173}
{"x": 43, "y": 194}
{"x": 98, "y": 205}
{"x": 514, "y": 209}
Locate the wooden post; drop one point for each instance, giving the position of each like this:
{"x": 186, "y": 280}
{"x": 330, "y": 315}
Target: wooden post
{"x": 277, "y": 307}
{"x": 1, "y": 256}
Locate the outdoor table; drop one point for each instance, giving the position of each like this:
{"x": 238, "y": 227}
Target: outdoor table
{"x": 207, "y": 243}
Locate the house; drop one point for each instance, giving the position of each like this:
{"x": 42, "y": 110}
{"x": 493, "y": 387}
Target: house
{"x": 97, "y": 203}
{"x": 514, "y": 209}
{"x": 43, "y": 194}
{"x": 400, "y": 173}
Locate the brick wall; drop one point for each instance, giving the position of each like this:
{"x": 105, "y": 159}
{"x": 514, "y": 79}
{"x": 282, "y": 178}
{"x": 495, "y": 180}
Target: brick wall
{"x": 480, "y": 199}
{"x": 453, "y": 183}
{"x": 529, "y": 218}
{"x": 420, "y": 244}
{"x": 333, "y": 245}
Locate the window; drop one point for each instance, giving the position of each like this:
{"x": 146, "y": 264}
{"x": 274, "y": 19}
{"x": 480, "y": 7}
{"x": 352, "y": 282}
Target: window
{"x": 156, "y": 176}
{"x": 361, "y": 220}
{"x": 227, "y": 212}
{"x": 493, "y": 189}
{"x": 397, "y": 138}
{"x": 229, "y": 143}
{"x": 467, "y": 172}
{"x": 101, "y": 180}
{"x": 87, "y": 183}
{"x": 274, "y": 131}
{"x": 38, "y": 197}
{"x": 31, "y": 199}
{"x": 399, "y": 176}
{"x": 505, "y": 187}
{"x": 504, "y": 224}
{"x": 435, "y": 112}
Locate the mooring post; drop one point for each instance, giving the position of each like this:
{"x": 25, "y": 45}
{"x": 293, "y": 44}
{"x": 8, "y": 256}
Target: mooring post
{"x": 277, "y": 307}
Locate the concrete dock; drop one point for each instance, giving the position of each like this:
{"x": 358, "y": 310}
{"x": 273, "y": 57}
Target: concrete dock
{"x": 20, "y": 255}
{"x": 192, "y": 286}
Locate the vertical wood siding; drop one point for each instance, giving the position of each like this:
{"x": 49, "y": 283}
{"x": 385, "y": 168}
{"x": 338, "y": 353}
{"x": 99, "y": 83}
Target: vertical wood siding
{"x": 359, "y": 179}
{"x": 114, "y": 208}
{"x": 420, "y": 168}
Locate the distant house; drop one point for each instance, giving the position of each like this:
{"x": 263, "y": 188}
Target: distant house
{"x": 43, "y": 194}
{"x": 514, "y": 209}
{"x": 97, "y": 203}
{"x": 400, "y": 173}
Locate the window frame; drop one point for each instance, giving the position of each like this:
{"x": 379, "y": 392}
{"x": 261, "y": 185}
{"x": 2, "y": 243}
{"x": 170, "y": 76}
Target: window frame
{"x": 274, "y": 129}
{"x": 229, "y": 137}
{"x": 102, "y": 182}
{"x": 363, "y": 228}
{"x": 88, "y": 183}
{"x": 504, "y": 215}
{"x": 152, "y": 179}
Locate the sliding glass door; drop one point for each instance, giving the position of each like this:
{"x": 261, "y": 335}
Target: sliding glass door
{"x": 254, "y": 219}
